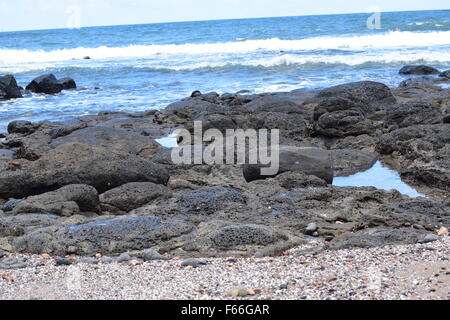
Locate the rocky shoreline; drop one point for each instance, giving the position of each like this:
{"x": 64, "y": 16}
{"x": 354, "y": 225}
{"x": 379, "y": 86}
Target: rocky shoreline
{"x": 103, "y": 184}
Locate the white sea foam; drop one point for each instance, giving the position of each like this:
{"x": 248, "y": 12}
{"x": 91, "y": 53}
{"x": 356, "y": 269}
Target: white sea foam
{"x": 393, "y": 39}
{"x": 291, "y": 59}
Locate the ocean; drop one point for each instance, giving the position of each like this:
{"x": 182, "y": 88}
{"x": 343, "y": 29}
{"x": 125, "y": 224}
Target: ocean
{"x": 141, "y": 67}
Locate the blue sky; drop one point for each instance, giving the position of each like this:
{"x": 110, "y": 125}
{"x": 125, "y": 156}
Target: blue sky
{"x": 47, "y": 14}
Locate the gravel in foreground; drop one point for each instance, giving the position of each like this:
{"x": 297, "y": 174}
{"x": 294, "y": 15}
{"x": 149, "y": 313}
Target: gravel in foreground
{"x": 419, "y": 271}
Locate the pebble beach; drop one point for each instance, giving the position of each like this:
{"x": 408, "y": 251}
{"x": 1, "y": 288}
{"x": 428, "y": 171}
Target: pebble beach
{"x": 404, "y": 272}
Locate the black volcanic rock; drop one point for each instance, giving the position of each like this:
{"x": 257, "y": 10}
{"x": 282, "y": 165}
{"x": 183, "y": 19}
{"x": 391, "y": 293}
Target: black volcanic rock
{"x": 68, "y": 83}
{"x": 9, "y": 88}
{"x": 45, "y": 84}
{"x": 419, "y": 70}
{"x": 445, "y": 74}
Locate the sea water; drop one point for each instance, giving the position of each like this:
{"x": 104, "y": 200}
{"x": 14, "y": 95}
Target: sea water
{"x": 141, "y": 67}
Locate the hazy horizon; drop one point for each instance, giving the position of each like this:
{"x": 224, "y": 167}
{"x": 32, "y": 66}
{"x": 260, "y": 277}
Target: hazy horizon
{"x": 39, "y": 16}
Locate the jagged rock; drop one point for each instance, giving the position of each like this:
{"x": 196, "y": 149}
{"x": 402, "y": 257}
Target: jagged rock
{"x": 9, "y": 88}
{"x": 340, "y": 117}
{"x": 413, "y": 113}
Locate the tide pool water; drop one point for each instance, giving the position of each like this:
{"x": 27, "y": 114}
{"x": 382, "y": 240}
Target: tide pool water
{"x": 141, "y": 67}
{"x": 379, "y": 177}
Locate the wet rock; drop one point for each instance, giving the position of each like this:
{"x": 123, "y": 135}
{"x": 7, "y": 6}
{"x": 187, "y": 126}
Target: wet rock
{"x": 445, "y": 74}
{"x": 76, "y": 163}
{"x": 104, "y": 236}
{"x": 10, "y": 204}
{"x": 9, "y": 88}
{"x": 66, "y": 201}
{"x": 418, "y": 70}
{"x": 422, "y": 152}
{"x": 311, "y": 161}
{"x": 22, "y": 127}
{"x": 209, "y": 200}
{"x": 422, "y": 83}
{"x": 413, "y": 113}
{"x": 133, "y": 195}
{"x": 45, "y": 84}
{"x": 196, "y": 94}
{"x": 195, "y": 263}
{"x": 348, "y": 162}
{"x": 67, "y": 83}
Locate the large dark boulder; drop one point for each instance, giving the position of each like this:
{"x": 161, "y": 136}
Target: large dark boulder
{"x": 76, "y": 163}
{"x": 45, "y": 84}
{"x": 351, "y": 109}
{"x": 9, "y": 88}
{"x": 311, "y": 161}
{"x": 418, "y": 70}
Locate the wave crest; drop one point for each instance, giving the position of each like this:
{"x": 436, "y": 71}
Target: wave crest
{"x": 390, "y": 40}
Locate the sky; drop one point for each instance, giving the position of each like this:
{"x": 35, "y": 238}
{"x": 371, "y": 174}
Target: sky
{"x": 50, "y": 14}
